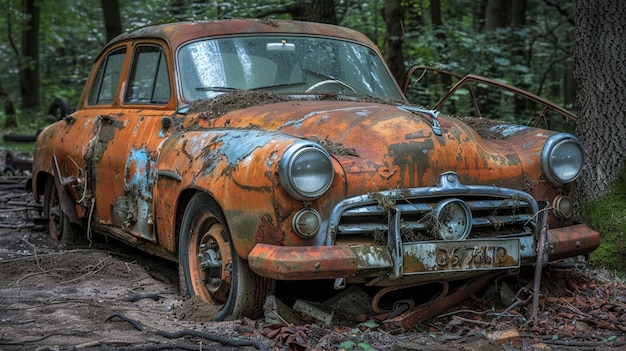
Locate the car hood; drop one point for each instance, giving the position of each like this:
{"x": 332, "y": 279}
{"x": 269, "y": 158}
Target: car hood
{"x": 381, "y": 146}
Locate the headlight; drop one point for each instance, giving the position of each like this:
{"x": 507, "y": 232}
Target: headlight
{"x": 305, "y": 170}
{"x": 562, "y": 158}
{"x": 453, "y": 220}
{"x": 306, "y": 222}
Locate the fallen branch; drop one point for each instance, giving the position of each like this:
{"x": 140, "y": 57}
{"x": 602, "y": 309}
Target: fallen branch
{"x": 133, "y": 322}
{"x": 211, "y": 337}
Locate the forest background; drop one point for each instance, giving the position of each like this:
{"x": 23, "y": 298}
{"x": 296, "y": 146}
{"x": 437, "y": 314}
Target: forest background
{"x": 47, "y": 48}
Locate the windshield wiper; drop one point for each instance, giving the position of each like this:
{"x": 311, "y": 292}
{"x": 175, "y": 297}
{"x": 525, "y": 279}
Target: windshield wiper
{"x": 219, "y": 89}
{"x": 328, "y": 77}
{"x": 277, "y": 86}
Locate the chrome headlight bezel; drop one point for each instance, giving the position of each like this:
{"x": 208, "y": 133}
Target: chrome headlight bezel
{"x": 317, "y": 176}
{"x": 453, "y": 220}
{"x": 562, "y": 159}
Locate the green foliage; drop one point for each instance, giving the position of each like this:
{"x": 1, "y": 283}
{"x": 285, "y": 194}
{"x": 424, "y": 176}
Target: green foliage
{"x": 363, "y": 16}
{"x": 535, "y": 57}
{"x": 357, "y": 334}
{"x": 607, "y": 214}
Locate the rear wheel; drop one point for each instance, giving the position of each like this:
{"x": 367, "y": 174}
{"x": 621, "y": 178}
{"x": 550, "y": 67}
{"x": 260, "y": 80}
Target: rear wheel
{"x": 60, "y": 229}
{"x": 211, "y": 269}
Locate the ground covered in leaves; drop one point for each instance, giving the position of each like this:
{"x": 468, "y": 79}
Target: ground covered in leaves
{"x": 110, "y": 297}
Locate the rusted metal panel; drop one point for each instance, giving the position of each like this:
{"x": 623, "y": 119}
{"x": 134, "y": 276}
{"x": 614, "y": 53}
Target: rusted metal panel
{"x": 401, "y": 149}
{"x": 407, "y": 320}
{"x": 221, "y": 163}
{"x": 572, "y": 241}
{"x": 317, "y": 262}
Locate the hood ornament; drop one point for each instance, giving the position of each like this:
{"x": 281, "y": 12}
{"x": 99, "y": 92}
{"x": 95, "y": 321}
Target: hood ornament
{"x": 434, "y": 116}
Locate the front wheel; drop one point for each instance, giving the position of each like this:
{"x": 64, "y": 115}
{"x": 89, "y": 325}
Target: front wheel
{"x": 210, "y": 267}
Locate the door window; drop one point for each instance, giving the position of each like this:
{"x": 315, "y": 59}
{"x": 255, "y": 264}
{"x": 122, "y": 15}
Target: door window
{"x": 149, "y": 82}
{"x": 105, "y": 85}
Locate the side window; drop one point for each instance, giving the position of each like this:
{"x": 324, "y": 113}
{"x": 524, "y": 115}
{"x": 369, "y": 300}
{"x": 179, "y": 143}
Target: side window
{"x": 149, "y": 81}
{"x": 105, "y": 85}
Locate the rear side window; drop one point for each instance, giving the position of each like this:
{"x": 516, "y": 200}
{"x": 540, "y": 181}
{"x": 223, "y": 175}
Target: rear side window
{"x": 105, "y": 85}
{"x": 148, "y": 82}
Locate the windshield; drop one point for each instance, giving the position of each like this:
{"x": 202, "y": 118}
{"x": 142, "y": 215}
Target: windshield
{"x": 287, "y": 64}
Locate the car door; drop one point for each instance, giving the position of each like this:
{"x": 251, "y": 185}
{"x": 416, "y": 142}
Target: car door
{"x": 124, "y": 150}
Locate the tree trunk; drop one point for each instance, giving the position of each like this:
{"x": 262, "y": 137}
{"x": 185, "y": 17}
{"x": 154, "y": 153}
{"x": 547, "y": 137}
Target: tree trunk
{"x": 518, "y": 14}
{"x": 10, "y": 120}
{"x": 29, "y": 69}
{"x": 322, "y": 11}
{"x": 112, "y": 18}
{"x": 394, "y": 14}
{"x": 497, "y": 14}
{"x": 600, "y": 77}
{"x": 518, "y": 47}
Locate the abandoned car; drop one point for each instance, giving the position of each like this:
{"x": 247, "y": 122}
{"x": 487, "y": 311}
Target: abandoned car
{"x": 253, "y": 152}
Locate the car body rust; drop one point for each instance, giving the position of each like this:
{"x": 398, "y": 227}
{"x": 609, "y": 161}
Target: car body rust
{"x": 310, "y": 172}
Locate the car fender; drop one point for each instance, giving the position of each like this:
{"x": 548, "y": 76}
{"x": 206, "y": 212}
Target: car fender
{"x": 238, "y": 168}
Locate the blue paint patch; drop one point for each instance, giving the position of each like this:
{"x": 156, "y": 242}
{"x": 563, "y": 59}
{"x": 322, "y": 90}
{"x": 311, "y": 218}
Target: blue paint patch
{"x": 298, "y": 122}
{"x": 363, "y": 113}
{"x": 508, "y": 130}
{"x": 141, "y": 180}
{"x": 237, "y": 145}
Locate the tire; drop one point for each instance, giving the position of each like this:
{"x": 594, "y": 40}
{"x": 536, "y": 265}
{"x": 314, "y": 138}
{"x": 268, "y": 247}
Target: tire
{"x": 9, "y": 172}
{"x": 211, "y": 269}
{"x": 59, "y": 108}
{"x": 20, "y": 137}
{"x": 60, "y": 229}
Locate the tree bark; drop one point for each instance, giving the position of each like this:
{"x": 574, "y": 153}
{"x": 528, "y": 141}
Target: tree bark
{"x": 29, "y": 68}
{"x": 394, "y": 15}
{"x": 10, "y": 120}
{"x": 600, "y": 77}
{"x": 497, "y": 14}
{"x": 518, "y": 14}
{"x": 518, "y": 46}
{"x": 322, "y": 11}
{"x": 112, "y": 18}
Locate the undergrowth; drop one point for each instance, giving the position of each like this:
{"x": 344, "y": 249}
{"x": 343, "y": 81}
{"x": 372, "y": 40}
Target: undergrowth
{"x": 607, "y": 215}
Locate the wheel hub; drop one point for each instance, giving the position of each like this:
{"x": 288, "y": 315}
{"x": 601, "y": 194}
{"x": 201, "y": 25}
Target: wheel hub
{"x": 210, "y": 261}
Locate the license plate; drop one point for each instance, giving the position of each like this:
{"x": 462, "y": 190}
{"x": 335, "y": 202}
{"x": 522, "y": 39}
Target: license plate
{"x": 467, "y": 255}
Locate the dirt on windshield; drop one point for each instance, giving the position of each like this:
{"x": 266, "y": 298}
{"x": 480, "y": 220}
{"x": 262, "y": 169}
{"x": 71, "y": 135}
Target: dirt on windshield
{"x": 107, "y": 296}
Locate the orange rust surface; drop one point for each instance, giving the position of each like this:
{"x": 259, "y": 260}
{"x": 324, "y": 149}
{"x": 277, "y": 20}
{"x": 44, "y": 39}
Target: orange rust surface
{"x": 572, "y": 241}
{"x": 401, "y": 149}
{"x": 301, "y": 263}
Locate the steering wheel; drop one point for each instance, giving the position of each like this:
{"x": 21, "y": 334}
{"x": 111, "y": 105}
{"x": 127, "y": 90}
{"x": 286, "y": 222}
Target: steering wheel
{"x": 329, "y": 81}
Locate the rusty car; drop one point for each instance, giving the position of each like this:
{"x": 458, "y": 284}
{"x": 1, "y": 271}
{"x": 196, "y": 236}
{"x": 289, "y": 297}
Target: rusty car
{"x": 254, "y": 152}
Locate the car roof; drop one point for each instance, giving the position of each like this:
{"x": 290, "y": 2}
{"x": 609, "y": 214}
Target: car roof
{"x": 177, "y": 33}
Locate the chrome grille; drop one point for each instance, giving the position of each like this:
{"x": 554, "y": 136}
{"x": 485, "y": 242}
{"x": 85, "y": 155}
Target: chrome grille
{"x": 495, "y": 212}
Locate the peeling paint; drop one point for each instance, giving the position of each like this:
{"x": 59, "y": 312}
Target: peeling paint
{"x": 413, "y": 160}
{"x": 508, "y": 130}
{"x": 139, "y": 173}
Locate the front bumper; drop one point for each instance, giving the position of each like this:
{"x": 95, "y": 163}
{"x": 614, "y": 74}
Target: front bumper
{"x": 343, "y": 261}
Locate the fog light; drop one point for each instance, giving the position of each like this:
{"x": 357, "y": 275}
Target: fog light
{"x": 454, "y": 220}
{"x": 562, "y": 207}
{"x": 306, "y": 222}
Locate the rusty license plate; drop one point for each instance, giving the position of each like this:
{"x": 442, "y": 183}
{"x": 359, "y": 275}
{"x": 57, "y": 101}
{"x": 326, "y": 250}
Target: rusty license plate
{"x": 426, "y": 257}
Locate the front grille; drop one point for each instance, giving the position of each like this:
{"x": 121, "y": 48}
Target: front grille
{"x": 496, "y": 212}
